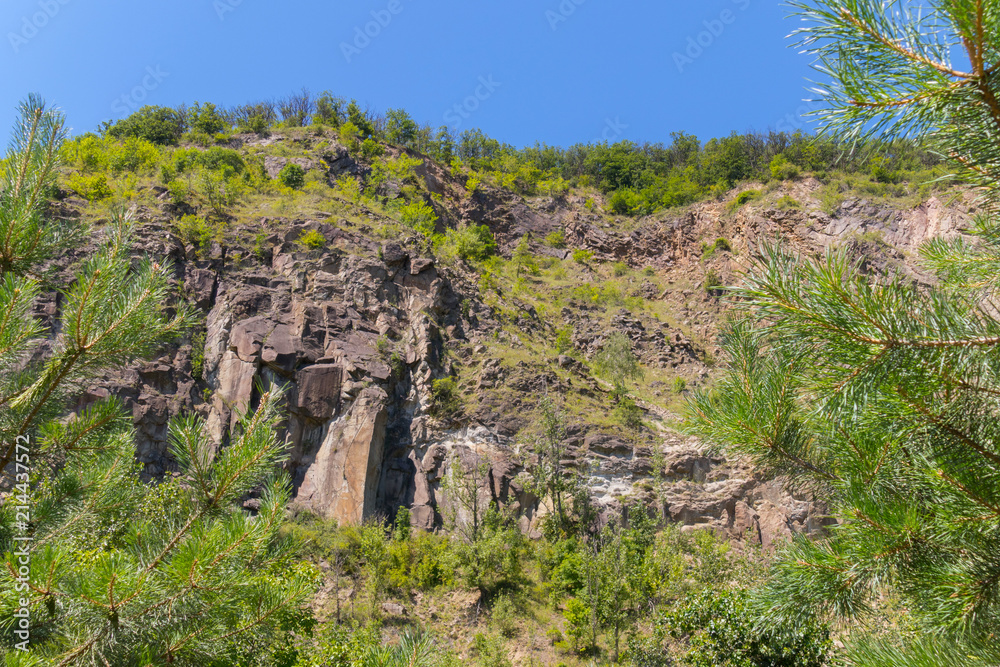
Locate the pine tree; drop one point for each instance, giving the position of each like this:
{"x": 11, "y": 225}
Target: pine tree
{"x": 118, "y": 571}
{"x": 876, "y": 392}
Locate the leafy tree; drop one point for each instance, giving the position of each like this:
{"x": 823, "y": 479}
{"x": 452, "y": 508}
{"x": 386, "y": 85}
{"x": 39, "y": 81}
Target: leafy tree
{"x": 158, "y": 125}
{"x": 619, "y": 585}
{"x": 360, "y": 120}
{"x": 121, "y": 572}
{"x": 875, "y": 390}
{"x": 400, "y": 128}
{"x": 205, "y": 118}
{"x": 550, "y": 449}
{"x": 617, "y": 363}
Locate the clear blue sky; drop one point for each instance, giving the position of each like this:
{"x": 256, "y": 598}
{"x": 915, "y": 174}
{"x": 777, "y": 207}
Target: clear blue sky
{"x": 562, "y": 71}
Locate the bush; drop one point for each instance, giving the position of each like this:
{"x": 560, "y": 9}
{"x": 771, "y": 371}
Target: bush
{"x": 583, "y": 256}
{"x": 220, "y": 159}
{"x": 720, "y": 245}
{"x": 556, "y": 239}
{"x": 312, "y": 240}
{"x": 628, "y": 414}
{"x": 786, "y": 202}
{"x": 292, "y": 176}
{"x": 133, "y": 154}
{"x": 420, "y": 217}
{"x": 627, "y": 202}
{"x": 204, "y": 118}
{"x": 91, "y": 188}
{"x": 782, "y": 169}
{"x": 743, "y": 198}
{"x": 444, "y": 395}
{"x": 712, "y": 281}
{"x": 577, "y": 616}
{"x": 472, "y": 243}
{"x": 158, "y": 125}
{"x": 564, "y": 340}
{"x": 197, "y": 231}
{"x": 721, "y": 628}
{"x": 503, "y": 616}
{"x": 620, "y": 269}
{"x": 371, "y": 149}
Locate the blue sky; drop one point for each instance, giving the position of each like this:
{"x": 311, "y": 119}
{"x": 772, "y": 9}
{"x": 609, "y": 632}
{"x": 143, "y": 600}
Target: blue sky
{"x": 555, "y": 71}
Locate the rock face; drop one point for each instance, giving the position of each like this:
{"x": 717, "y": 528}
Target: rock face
{"x": 357, "y": 333}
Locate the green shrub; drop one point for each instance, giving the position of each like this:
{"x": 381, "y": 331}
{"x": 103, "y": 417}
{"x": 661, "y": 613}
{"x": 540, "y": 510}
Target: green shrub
{"x": 222, "y": 190}
{"x": 420, "y": 217}
{"x": 564, "y": 340}
{"x": 490, "y": 651}
{"x": 312, "y": 240}
{"x": 577, "y": 616}
{"x": 197, "y": 231}
{"x": 220, "y": 159}
{"x": 444, "y": 397}
{"x": 627, "y": 202}
{"x": 678, "y": 385}
{"x": 292, "y": 176}
{"x": 722, "y": 628}
{"x": 503, "y": 616}
{"x": 620, "y": 269}
{"x": 91, "y": 188}
{"x": 473, "y": 184}
{"x": 133, "y": 154}
{"x": 880, "y": 172}
{"x": 627, "y": 413}
{"x": 471, "y": 243}
{"x": 743, "y": 198}
{"x": 204, "y": 118}
{"x": 583, "y": 256}
{"x": 370, "y": 148}
{"x": 157, "y": 125}
{"x": 712, "y": 281}
{"x": 720, "y": 245}
{"x": 556, "y": 239}
{"x": 782, "y": 169}
{"x": 786, "y": 202}
{"x": 178, "y": 191}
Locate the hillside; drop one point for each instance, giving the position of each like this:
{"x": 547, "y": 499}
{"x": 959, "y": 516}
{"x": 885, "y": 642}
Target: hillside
{"x": 418, "y": 313}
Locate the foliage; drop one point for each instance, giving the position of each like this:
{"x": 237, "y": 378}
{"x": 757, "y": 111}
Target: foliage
{"x": 206, "y": 119}
{"x": 311, "y": 239}
{"x": 617, "y": 363}
{"x": 721, "y": 627}
{"x": 577, "y": 616}
{"x": 158, "y": 125}
{"x": 91, "y": 188}
{"x": 420, "y": 217}
{"x": 292, "y": 176}
{"x": 875, "y": 390}
{"x": 582, "y": 256}
{"x": 199, "y": 232}
{"x": 556, "y": 239}
{"x": 444, "y": 394}
{"x": 470, "y": 243}
{"x": 110, "y": 554}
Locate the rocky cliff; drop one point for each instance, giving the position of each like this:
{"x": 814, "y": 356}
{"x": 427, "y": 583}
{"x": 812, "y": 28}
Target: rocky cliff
{"x": 359, "y": 329}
